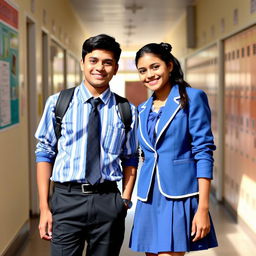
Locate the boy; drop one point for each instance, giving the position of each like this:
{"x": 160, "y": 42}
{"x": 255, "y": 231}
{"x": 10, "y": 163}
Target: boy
{"x": 86, "y": 204}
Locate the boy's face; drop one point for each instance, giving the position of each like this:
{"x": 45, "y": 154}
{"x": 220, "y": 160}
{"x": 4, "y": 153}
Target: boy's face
{"x": 99, "y": 66}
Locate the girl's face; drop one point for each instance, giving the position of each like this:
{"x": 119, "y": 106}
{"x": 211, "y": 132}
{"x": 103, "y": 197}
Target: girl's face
{"x": 153, "y": 72}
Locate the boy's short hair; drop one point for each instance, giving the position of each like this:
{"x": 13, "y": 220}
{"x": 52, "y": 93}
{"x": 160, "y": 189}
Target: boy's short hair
{"x": 103, "y": 42}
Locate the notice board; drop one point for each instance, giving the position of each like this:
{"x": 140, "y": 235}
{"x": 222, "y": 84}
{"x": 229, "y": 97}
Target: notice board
{"x": 9, "y": 70}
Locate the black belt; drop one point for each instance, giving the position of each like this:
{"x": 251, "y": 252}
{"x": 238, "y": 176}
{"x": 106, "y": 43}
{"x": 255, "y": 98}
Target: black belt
{"x": 86, "y": 188}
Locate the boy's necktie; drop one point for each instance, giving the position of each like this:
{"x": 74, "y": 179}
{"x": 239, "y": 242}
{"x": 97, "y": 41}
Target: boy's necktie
{"x": 93, "y": 172}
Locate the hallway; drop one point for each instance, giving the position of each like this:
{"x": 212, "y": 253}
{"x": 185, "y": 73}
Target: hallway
{"x": 233, "y": 241}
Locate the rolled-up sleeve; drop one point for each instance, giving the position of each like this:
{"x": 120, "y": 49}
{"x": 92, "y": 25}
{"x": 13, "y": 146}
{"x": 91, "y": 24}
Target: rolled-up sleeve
{"x": 202, "y": 137}
{"x": 45, "y": 134}
{"x": 129, "y": 156}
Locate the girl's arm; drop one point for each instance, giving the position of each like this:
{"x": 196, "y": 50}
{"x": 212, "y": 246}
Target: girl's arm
{"x": 201, "y": 221}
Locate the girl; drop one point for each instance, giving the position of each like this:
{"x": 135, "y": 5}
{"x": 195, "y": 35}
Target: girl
{"x": 172, "y": 213}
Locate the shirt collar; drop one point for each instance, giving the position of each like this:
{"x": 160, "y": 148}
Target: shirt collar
{"x": 86, "y": 95}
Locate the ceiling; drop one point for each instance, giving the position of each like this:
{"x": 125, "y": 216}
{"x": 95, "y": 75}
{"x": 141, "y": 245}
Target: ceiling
{"x": 132, "y": 22}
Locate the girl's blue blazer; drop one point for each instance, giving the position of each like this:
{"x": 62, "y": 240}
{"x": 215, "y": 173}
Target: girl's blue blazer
{"x": 183, "y": 149}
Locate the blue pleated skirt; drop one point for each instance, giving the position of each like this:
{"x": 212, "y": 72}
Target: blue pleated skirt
{"x": 164, "y": 225}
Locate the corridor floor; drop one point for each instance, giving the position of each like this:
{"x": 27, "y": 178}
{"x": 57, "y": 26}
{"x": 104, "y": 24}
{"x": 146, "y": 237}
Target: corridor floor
{"x": 233, "y": 241}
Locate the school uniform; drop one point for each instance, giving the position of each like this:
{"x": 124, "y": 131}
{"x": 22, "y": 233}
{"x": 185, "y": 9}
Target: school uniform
{"x": 178, "y": 147}
{"x": 83, "y": 212}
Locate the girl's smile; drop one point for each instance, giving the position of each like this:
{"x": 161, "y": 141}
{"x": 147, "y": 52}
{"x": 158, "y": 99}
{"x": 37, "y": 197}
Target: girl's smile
{"x": 154, "y": 73}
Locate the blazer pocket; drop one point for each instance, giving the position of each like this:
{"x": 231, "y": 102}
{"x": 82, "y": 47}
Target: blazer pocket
{"x": 183, "y": 161}
{"x": 113, "y": 139}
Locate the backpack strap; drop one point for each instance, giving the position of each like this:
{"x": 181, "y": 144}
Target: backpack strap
{"x": 64, "y": 100}
{"x": 61, "y": 107}
{"x": 125, "y": 111}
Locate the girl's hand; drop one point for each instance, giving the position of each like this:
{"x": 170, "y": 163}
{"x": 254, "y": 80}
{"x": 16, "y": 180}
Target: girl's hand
{"x": 201, "y": 224}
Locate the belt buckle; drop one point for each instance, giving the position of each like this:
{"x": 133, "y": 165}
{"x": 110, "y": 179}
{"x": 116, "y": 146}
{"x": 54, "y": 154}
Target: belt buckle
{"x": 84, "y": 191}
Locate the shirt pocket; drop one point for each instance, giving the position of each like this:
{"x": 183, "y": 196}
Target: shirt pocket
{"x": 113, "y": 139}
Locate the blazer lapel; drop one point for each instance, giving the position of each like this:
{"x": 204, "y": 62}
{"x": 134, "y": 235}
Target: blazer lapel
{"x": 143, "y": 121}
{"x": 171, "y": 108}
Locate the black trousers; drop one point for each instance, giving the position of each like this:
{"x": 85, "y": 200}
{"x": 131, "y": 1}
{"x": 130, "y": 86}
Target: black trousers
{"x": 98, "y": 219}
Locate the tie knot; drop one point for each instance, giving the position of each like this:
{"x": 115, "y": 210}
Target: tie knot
{"x": 95, "y": 102}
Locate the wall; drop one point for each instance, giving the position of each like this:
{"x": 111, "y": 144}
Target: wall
{"x": 178, "y": 39}
{"x": 211, "y": 13}
{"x": 209, "y": 24}
{"x": 63, "y": 26}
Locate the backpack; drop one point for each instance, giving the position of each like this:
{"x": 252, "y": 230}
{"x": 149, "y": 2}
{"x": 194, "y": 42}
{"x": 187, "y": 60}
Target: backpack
{"x": 65, "y": 98}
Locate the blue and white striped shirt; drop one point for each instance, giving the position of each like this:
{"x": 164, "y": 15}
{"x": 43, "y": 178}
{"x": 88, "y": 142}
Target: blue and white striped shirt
{"x": 72, "y": 145}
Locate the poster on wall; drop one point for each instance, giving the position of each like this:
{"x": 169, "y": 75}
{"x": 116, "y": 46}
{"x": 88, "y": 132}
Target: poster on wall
{"x": 9, "y": 72}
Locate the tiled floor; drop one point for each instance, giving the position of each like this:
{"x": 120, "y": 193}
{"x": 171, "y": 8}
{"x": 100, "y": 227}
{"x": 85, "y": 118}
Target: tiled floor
{"x": 232, "y": 239}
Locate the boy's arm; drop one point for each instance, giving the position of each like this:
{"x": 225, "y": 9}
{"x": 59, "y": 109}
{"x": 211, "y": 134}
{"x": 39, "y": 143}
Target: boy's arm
{"x": 44, "y": 170}
{"x": 128, "y": 181}
{"x": 45, "y": 156}
{"x": 130, "y": 158}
